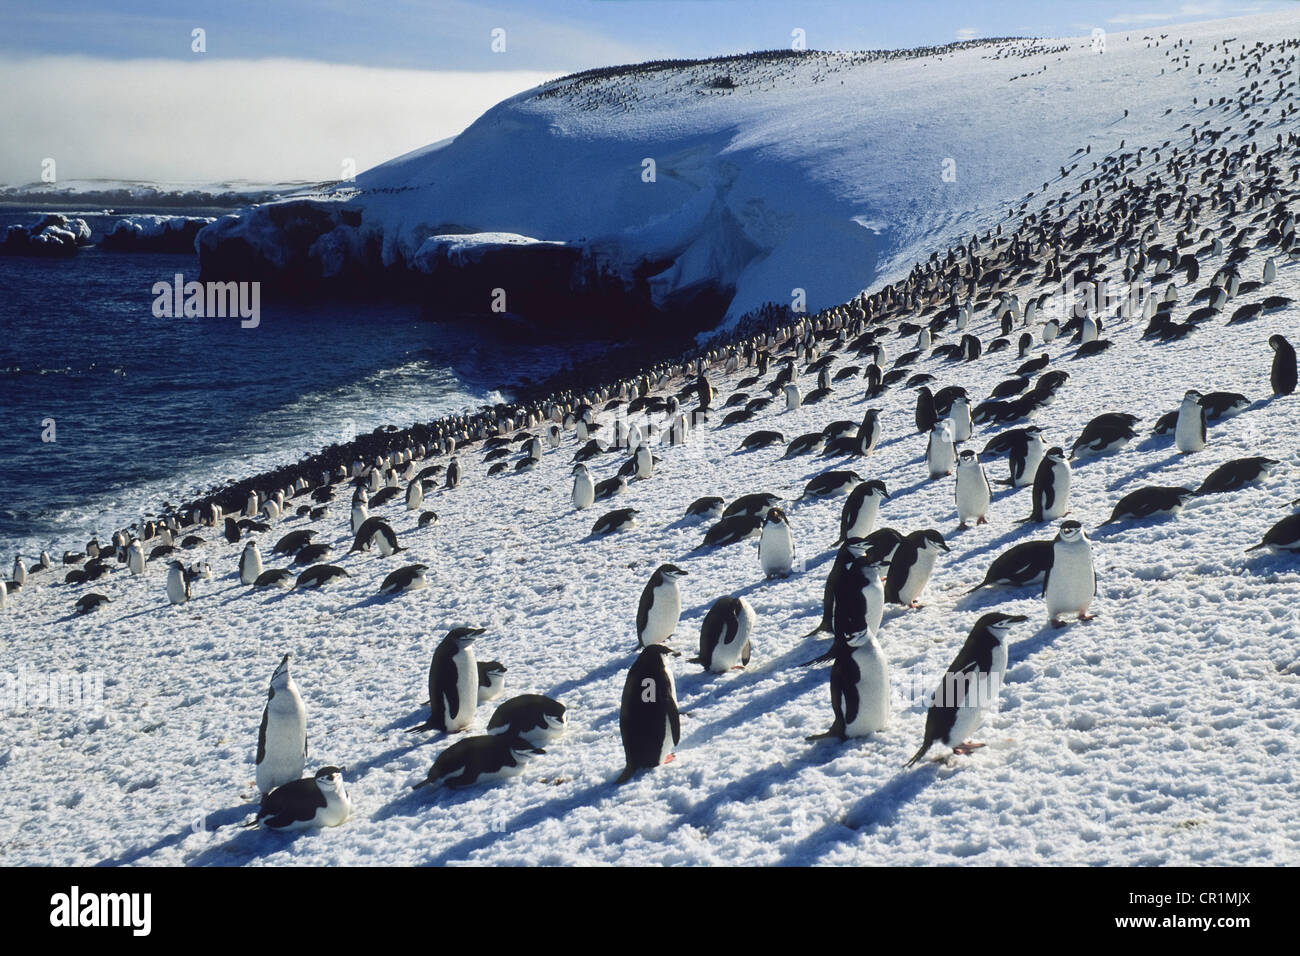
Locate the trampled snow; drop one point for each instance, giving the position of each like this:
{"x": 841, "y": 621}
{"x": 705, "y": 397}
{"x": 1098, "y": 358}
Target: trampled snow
{"x": 1162, "y": 732}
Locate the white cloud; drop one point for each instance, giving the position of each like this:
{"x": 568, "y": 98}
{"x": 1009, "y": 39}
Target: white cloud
{"x": 968, "y": 33}
{"x": 1208, "y": 10}
{"x": 265, "y": 120}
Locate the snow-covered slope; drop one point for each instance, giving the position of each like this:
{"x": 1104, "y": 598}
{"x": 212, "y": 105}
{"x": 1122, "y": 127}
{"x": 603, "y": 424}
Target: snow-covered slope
{"x": 1162, "y": 732}
{"x": 818, "y": 171}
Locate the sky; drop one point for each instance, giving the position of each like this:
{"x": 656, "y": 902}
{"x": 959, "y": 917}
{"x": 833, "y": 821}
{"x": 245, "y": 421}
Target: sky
{"x": 292, "y": 90}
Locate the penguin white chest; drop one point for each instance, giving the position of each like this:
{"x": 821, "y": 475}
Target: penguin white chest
{"x": 865, "y": 519}
{"x": 1189, "y": 433}
{"x": 872, "y": 690}
{"x": 1072, "y": 583}
{"x": 661, "y": 620}
{"x": 466, "y": 692}
{"x": 176, "y": 587}
{"x": 1033, "y": 458}
{"x": 584, "y": 492}
{"x": 917, "y": 576}
{"x": 972, "y": 493}
{"x": 940, "y": 454}
{"x": 284, "y": 747}
{"x": 776, "y": 549}
{"x": 875, "y": 595}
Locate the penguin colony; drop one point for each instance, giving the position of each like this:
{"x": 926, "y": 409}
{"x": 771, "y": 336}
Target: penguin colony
{"x": 1181, "y": 230}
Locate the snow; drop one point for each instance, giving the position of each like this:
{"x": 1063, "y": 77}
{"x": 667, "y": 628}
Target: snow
{"x": 1163, "y": 732}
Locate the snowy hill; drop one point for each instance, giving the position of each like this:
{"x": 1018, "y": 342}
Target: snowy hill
{"x": 818, "y": 171}
{"x": 1162, "y": 732}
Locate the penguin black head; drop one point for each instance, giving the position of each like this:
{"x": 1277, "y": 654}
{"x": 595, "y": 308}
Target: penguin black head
{"x": 966, "y": 456}
{"x": 1072, "y": 531}
{"x": 1192, "y": 395}
{"x": 1056, "y": 453}
{"x": 464, "y": 634}
{"x": 877, "y": 487}
{"x": 931, "y": 537}
{"x": 670, "y": 571}
{"x": 1278, "y": 343}
{"x": 775, "y": 516}
{"x": 998, "y": 624}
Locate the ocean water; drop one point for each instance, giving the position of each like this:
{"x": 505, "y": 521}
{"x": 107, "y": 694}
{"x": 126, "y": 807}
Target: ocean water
{"x": 148, "y": 409}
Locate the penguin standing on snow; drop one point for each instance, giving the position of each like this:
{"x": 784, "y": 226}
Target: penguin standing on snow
{"x": 911, "y": 566}
{"x": 135, "y": 557}
{"x": 860, "y": 510}
{"x": 453, "y": 682}
{"x": 584, "y": 489}
{"x": 724, "y": 635}
{"x": 970, "y": 686}
{"x": 940, "y": 454}
{"x": 319, "y": 801}
{"x": 453, "y": 473}
{"x": 1071, "y": 581}
{"x": 660, "y": 607}
{"x": 1189, "y": 431}
{"x": 647, "y": 718}
{"x": 972, "y": 489}
{"x": 178, "y": 583}
{"x": 776, "y": 545}
{"x": 250, "y": 564}
{"x": 1283, "y": 375}
{"x": 1025, "y": 457}
{"x": 859, "y": 687}
{"x": 849, "y": 551}
{"x": 282, "y": 738}
{"x": 1051, "y": 491}
{"x": 360, "y": 512}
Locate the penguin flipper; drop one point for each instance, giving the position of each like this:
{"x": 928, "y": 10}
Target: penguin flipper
{"x": 822, "y": 659}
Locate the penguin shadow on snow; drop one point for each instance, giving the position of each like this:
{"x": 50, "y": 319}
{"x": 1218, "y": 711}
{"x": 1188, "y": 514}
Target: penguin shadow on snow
{"x": 876, "y": 809}
{"x": 758, "y": 706}
{"x": 541, "y": 813}
{"x": 1046, "y": 637}
{"x": 248, "y": 844}
{"x": 211, "y": 823}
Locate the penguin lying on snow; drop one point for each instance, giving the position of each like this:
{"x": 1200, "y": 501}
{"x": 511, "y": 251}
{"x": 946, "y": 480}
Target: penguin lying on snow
{"x": 1150, "y": 502}
{"x": 481, "y": 759}
{"x": 319, "y": 801}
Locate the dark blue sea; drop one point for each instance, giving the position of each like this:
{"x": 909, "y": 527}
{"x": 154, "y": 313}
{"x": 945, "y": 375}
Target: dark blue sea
{"x": 148, "y": 409}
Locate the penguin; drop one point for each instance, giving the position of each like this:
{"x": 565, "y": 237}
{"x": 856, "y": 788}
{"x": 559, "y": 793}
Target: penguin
{"x": 360, "y": 512}
{"x": 1282, "y": 538}
{"x": 482, "y": 759}
{"x": 610, "y": 488}
{"x": 731, "y": 530}
{"x": 959, "y": 417}
{"x": 276, "y": 577}
{"x": 648, "y": 718}
{"x": 644, "y": 461}
{"x": 969, "y": 687}
{"x": 755, "y": 505}
{"x": 1283, "y": 373}
{"x": 660, "y": 606}
{"x": 1107, "y": 432}
{"x": 793, "y": 400}
{"x": 1189, "y": 432}
{"x": 178, "y": 587}
{"x": 1021, "y": 565}
{"x": 409, "y": 577}
{"x": 232, "y": 531}
{"x": 319, "y": 801}
{"x": 709, "y": 506}
{"x": 491, "y": 680}
{"x": 724, "y": 635}
{"x": 1051, "y": 329}
{"x": 4, "y": 594}
{"x": 584, "y": 489}
{"x": 453, "y": 682}
{"x": 850, "y": 550}
{"x": 859, "y": 602}
{"x": 318, "y": 575}
{"x": 374, "y": 531}
{"x": 620, "y": 519}
{"x": 1149, "y": 502}
{"x": 972, "y": 490}
{"x": 1071, "y": 581}
{"x": 776, "y": 545}
{"x": 85, "y": 604}
{"x": 135, "y": 558}
{"x": 1236, "y": 474}
{"x": 940, "y": 454}
{"x": 860, "y": 510}
{"x": 869, "y": 432}
{"x": 453, "y": 473}
{"x": 911, "y": 566}
{"x": 250, "y": 564}
{"x": 427, "y": 518}
{"x": 534, "y": 717}
{"x": 831, "y": 483}
{"x": 926, "y": 416}
{"x": 282, "y": 738}
{"x": 414, "y": 495}
{"x": 1025, "y": 457}
{"x": 1051, "y": 491}
{"x": 859, "y": 687}
{"x": 20, "y": 571}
